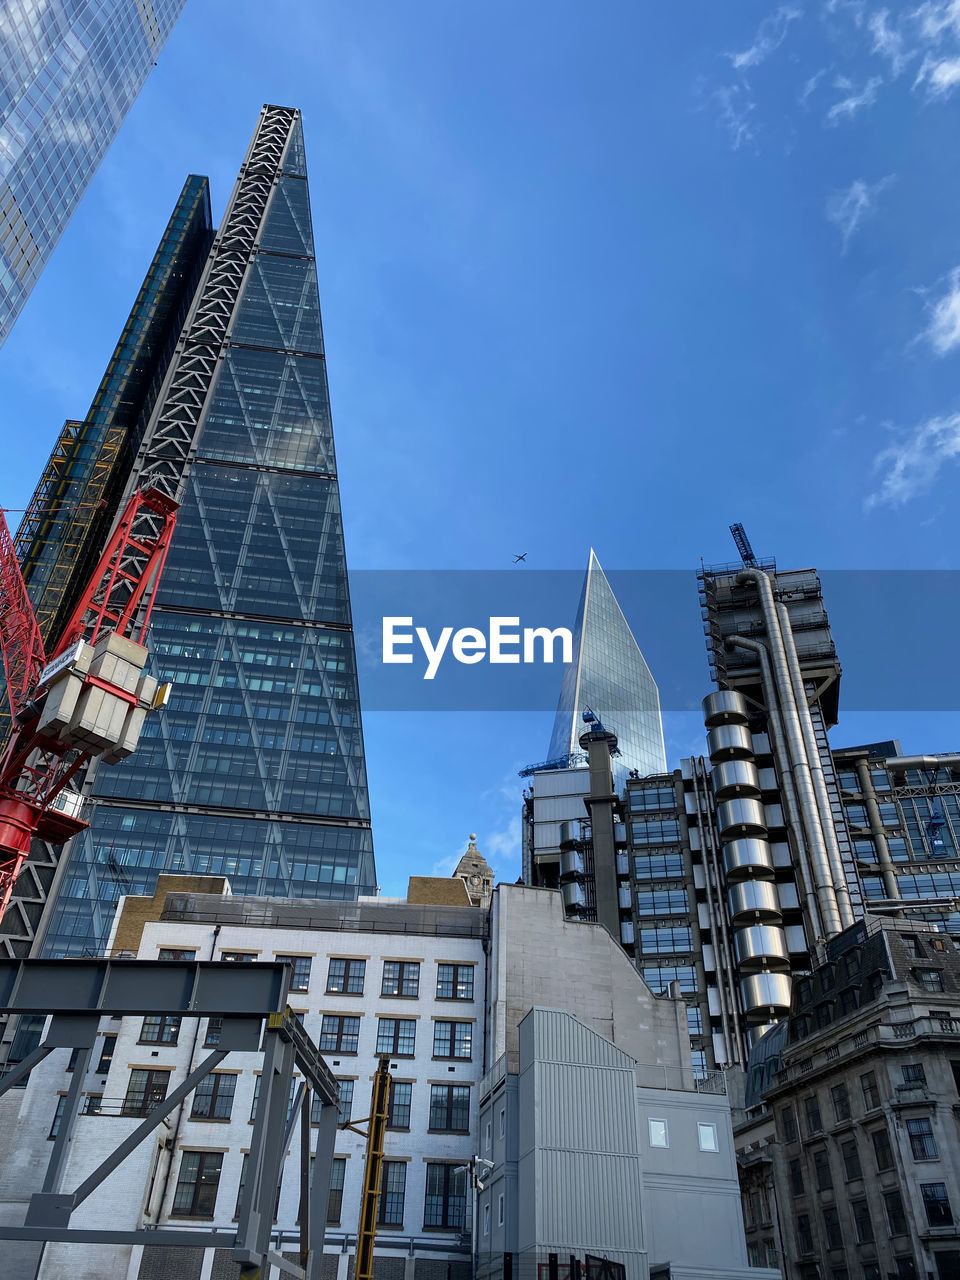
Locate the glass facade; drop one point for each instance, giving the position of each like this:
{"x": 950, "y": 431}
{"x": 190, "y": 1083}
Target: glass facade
{"x": 255, "y": 769}
{"x": 610, "y": 676}
{"x": 69, "y": 72}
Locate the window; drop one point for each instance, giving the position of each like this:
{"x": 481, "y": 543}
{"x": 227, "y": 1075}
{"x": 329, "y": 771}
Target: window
{"x": 396, "y": 1036}
{"x": 831, "y": 1227}
{"x": 662, "y": 831}
{"x": 896, "y": 1218}
{"x": 400, "y": 978}
{"x": 196, "y": 1193}
{"x": 841, "y": 1102}
{"x": 159, "y": 1030}
{"x": 906, "y": 1268}
{"x": 871, "y": 1094}
{"x": 503, "y": 1121}
{"x": 300, "y": 971}
{"x": 821, "y": 1168}
{"x": 214, "y": 1030}
{"x": 450, "y": 1108}
{"x": 335, "y": 1199}
{"x": 393, "y": 1183}
{"x": 500, "y": 1210}
{"x": 145, "y": 1091}
{"x": 930, "y": 979}
{"x": 445, "y": 1198}
{"x": 922, "y": 1142}
{"x": 913, "y": 1073}
{"x": 871, "y": 1271}
{"x": 93, "y": 1104}
{"x": 454, "y": 981}
{"x": 861, "y": 1221}
{"x": 662, "y": 902}
{"x": 804, "y": 1235}
{"x": 658, "y": 866}
{"x": 811, "y": 1112}
{"x": 936, "y": 1204}
{"x": 453, "y": 1040}
{"x": 238, "y": 957}
{"x": 796, "y": 1178}
{"x": 694, "y": 1020}
{"x": 851, "y": 1160}
{"x": 659, "y": 977}
{"x": 344, "y": 1105}
{"x": 486, "y": 1219}
{"x": 657, "y": 1130}
{"x": 398, "y": 1111}
{"x": 345, "y": 977}
{"x": 788, "y": 1124}
{"x": 106, "y": 1054}
{"x": 57, "y": 1116}
{"x": 912, "y": 944}
{"x": 339, "y": 1034}
{"x": 707, "y": 1137}
{"x": 176, "y": 953}
{"x": 213, "y": 1097}
{"x": 256, "y": 1098}
{"x": 882, "y": 1149}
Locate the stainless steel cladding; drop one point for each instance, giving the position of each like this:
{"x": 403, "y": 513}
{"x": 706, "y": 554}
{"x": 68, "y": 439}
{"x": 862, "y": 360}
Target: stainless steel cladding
{"x": 761, "y": 946}
{"x": 726, "y": 706}
{"x": 737, "y": 818}
{"x": 574, "y": 898}
{"x": 747, "y": 857}
{"x": 754, "y": 901}
{"x": 571, "y": 863}
{"x": 729, "y": 742}
{"x": 735, "y": 778}
{"x": 765, "y": 996}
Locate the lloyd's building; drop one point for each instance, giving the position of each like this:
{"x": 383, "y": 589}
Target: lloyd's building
{"x": 216, "y": 394}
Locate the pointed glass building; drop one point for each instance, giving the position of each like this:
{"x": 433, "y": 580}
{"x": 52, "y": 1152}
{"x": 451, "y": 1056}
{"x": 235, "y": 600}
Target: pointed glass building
{"x": 69, "y": 74}
{"x": 610, "y": 676}
{"x": 255, "y": 769}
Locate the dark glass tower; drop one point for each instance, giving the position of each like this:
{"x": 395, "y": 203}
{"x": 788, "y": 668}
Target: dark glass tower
{"x": 255, "y": 769}
{"x": 69, "y": 72}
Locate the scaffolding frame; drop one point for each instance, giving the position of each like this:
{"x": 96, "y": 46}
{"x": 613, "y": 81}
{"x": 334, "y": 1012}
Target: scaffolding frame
{"x": 76, "y": 994}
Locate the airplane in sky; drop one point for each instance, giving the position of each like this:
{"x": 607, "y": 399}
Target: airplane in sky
{"x": 517, "y": 559}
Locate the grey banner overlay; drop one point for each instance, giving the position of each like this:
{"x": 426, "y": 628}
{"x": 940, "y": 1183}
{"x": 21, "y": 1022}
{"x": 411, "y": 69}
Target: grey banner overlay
{"x": 895, "y": 632}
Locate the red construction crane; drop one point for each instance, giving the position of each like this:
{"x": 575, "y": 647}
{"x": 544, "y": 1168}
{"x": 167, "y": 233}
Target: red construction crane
{"x": 91, "y": 696}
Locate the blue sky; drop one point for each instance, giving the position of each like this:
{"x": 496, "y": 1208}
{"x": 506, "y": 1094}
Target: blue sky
{"x": 612, "y": 275}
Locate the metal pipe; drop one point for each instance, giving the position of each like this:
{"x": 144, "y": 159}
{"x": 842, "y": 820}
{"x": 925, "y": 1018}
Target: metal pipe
{"x": 785, "y": 769}
{"x": 806, "y": 796}
{"x": 890, "y": 884}
{"x": 816, "y": 769}
{"x": 717, "y": 917}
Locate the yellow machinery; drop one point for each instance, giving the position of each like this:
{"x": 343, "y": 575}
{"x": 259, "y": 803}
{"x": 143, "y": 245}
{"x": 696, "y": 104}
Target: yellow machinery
{"x": 373, "y": 1168}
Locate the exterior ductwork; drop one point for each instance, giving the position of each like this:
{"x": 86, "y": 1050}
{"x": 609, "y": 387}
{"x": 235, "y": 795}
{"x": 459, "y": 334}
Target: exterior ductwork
{"x": 729, "y": 742}
{"x": 737, "y": 818}
{"x": 765, "y": 996}
{"x": 574, "y": 897}
{"x": 761, "y": 946}
{"x": 735, "y": 778}
{"x": 787, "y": 786}
{"x": 900, "y": 764}
{"x": 747, "y": 858}
{"x": 831, "y": 918}
{"x": 754, "y": 901}
{"x": 726, "y": 706}
{"x": 571, "y": 863}
{"x": 890, "y": 886}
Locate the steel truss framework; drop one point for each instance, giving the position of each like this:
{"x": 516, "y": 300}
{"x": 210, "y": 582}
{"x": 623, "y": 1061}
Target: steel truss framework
{"x": 167, "y": 452}
{"x": 78, "y": 993}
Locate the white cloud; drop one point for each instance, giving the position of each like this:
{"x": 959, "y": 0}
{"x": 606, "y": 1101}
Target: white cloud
{"x": 735, "y": 114}
{"x": 847, "y": 209}
{"x": 911, "y": 466}
{"x": 810, "y": 85}
{"x": 889, "y": 43}
{"x": 847, "y": 107}
{"x": 943, "y": 331}
{"x": 940, "y": 75}
{"x": 936, "y": 17}
{"x": 770, "y": 36}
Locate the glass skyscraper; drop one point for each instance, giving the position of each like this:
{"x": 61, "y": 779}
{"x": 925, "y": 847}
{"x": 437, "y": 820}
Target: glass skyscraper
{"x": 610, "y": 677}
{"x": 255, "y": 769}
{"x": 69, "y": 72}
